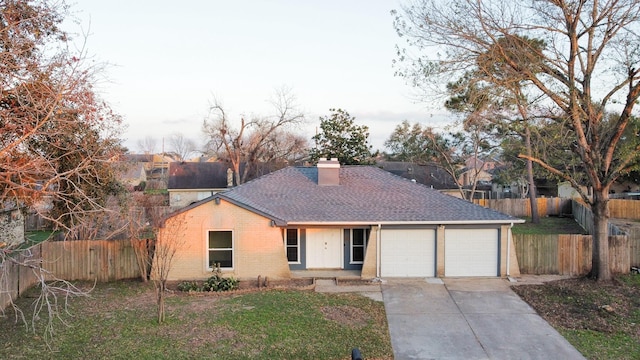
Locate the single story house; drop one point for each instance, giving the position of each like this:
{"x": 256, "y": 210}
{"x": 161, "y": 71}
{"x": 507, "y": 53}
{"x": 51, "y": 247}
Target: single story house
{"x": 190, "y": 182}
{"x": 131, "y": 174}
{"x": 340, "y": 217}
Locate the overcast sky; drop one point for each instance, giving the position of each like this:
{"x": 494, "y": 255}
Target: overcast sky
{"x": 168, "y": 60}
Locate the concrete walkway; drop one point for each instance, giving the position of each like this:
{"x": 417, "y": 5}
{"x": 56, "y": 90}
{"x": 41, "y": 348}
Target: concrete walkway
{"x": 467, "y": 319}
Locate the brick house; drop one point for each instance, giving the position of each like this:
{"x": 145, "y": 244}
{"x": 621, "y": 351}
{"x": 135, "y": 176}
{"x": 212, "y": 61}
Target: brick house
{"x": 358, "y": 218}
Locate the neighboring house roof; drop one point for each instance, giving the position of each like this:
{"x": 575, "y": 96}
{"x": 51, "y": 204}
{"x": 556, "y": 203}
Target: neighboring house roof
{"x": 430, "y": 174}
{"x": 138, "y": 157}
{"x": 132, "y": 172}
{"x": 197, "y": 175}
{"x": 366, "y": 194}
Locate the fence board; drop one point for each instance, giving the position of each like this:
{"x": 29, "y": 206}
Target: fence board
{"x": 619, "y": 254}
{"x": 567, "y": 254}
{"x": 522, "y": 207}
{"x": 537, "y": 254}
{"x": 101, "y": 260}
{"x": 574, "y": 254}
{"x": 16, "y": 279}
{"x": 624, "y": 209}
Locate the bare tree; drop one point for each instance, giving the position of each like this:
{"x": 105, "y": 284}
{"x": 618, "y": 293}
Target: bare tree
{"x": 170, "y": 239}
{"x": 181, "y": 146}
{"x": 148, "y": 145}
{"x": 145, "y": 214}
{"x": 588, "y": 66}
{"x": 246, "y": 144}
{"x": 56, "y": 136}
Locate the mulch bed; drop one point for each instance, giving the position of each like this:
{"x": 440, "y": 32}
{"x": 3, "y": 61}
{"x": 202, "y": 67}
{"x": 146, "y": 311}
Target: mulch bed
{"x": 583, "y": 303}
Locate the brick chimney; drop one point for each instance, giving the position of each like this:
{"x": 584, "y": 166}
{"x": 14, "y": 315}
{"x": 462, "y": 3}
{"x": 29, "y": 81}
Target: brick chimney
{"x": 328, "y": 172}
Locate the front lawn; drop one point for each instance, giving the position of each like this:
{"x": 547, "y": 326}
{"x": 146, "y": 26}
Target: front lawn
{"x": 118, "y": 321}
{"x": 601, "y": 320}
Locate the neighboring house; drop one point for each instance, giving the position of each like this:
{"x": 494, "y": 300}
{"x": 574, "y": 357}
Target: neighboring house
{"x": 132, "y": 174}
{"x": 567, "y": 191}
{"x": 11, "y": 227}
{"x": 190, "y": 182}
{"x": 430, "y": 175}
{"x": 156, "y": 165}
{"x": 478, "y": 170}
{"x": 331, "y": 217}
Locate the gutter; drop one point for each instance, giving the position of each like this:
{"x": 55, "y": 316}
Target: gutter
{"x": 381, "y": 223}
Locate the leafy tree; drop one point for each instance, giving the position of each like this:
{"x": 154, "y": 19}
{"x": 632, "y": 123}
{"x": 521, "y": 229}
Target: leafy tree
{"x": 409, "y": 143}
{"x": 449, "y": 150}
{"x": 253, "y": 141}
{"x": 56, "y": 136}
{"x": 503, "y": 107}
{"x": 341, "y": 138}
{"x": 589, "y": 68}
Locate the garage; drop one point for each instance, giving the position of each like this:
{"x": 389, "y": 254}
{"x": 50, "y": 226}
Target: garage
{"x": 407, "y": 252}
{"x": 471, "y": 252}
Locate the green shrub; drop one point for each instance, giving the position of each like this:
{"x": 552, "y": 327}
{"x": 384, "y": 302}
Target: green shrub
{"x": 187, "y": 286}
{"x": 214, "y": 283}
{"x": 219, "y": 283}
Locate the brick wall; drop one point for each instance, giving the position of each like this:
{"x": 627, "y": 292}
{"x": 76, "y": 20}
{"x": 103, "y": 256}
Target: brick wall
{"x": 258, "y": 247}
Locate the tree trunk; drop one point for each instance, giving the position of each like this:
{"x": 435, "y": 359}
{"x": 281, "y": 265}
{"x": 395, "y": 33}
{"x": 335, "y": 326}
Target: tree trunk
{"x": 535, "y": 217}
{"x": 160, "y": 294}
{"x": 600, "y": 268}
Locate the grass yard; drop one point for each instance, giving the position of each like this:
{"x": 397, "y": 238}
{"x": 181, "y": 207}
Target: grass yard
{"x": 549, "y": 225}
{"x": 118, "y": 321}
{"x": 601, "y": 320}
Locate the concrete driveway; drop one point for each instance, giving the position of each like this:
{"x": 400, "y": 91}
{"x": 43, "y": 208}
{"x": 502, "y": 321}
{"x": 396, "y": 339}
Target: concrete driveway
{"x": 467, "y": 319}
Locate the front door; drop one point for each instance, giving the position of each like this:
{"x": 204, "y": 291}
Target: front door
{"x": 324, "y": 248}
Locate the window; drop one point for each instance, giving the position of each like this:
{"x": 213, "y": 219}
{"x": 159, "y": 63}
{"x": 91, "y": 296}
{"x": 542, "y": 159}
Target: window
{"x": 358, "y": 245}
{"x": 292, "y": 245}
{"x": 220, "y": 249}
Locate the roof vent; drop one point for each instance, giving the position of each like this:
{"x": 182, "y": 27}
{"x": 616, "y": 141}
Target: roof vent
{"x": 328, "y": 172}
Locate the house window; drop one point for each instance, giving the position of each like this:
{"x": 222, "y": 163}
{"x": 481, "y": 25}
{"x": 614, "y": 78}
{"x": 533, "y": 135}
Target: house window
{"x": 220, "y": 249}
{"x": 358, "y": 245}
{"x": 292, "y": 245}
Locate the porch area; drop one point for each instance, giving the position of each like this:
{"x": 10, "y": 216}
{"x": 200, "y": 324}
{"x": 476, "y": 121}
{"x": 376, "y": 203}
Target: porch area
{"x": 337, "y": 274}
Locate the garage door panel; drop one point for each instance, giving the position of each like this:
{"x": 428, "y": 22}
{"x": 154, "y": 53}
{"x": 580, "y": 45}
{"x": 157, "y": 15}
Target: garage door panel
{"x": 471, "y": 252}
{"x": 407, "y": 253}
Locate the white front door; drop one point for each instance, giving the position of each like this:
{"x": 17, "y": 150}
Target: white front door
{"x": 324, "y": 248}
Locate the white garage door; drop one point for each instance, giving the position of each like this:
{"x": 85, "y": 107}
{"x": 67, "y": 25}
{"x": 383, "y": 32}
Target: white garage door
{"x": 471, "y": 252}
{"x": 407, "y": 253}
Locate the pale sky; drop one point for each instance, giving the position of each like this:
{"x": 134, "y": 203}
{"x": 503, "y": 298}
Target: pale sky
{"x": 168, "y": 60}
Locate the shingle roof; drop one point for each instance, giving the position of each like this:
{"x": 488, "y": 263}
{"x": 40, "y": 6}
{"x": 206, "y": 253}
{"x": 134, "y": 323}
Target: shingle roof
{"x": 197, "y": 175}
{"x": 366, "y": 194}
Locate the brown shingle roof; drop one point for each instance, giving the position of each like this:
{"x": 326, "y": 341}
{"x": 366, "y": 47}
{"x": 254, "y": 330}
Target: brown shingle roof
{"x": 365, "y": 195}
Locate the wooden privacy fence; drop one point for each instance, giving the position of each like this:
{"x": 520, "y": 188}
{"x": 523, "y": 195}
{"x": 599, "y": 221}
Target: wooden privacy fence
{"x": 16, "y": 279}
{"x": 101, "y": 260}
{"x": 92, "y": 260}
{"x": 522, "y": 207}
{"x": 567, "y": 254}
{"x": 624, "y": 209}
